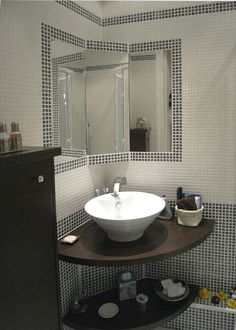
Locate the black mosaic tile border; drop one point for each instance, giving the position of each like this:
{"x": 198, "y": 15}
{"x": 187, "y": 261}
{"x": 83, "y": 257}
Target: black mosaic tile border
{"x": 50, "y": 111}
{"x": 69, "y": 165}
{"x": 55, "y": 64}
{"x": 81, "y": 11}
{"x": 73, "y": 152}
{"x": 69, "y": 58}
{"x": 206, "y": 8}
{"x": 48, "y": 33}
{"x": 107, "y": 46}
{"x": 211, "y": 7}
{"x": 175, "y": 45}
{"x": 108, "y": 158}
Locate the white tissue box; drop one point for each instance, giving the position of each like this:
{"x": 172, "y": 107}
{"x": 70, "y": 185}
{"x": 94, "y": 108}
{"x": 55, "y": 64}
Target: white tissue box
{"x": 189, "y": 218}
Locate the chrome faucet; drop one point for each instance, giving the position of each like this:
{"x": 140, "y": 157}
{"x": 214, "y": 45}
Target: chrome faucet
{"x": 117, "y": 182}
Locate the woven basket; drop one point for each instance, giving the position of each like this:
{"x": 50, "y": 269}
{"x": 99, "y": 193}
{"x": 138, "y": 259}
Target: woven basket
{"x": 189, "y": 218}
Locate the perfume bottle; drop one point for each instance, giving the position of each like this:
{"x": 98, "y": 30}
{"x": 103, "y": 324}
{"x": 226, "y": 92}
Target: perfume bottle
{"x": 15, "y": 137}
{"x": 4, "y": 138}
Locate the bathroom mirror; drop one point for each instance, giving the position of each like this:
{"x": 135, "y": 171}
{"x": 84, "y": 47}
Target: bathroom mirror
{"x": 150, "y": 101}
{"x": 115, "y": 95}
{"x": 131, "y": 93}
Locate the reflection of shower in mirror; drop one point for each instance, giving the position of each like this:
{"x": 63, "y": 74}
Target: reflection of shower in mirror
{"x": 64, "y": 106}
{"x": 121, "y": 109}
{"x": 71, "y": 109}
{"x": 112, "y": 102}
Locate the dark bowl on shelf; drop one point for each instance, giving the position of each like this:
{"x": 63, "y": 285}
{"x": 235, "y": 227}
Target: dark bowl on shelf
{"x": 159, "y": 291}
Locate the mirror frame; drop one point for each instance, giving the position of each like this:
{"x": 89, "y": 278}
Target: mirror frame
{"x": 50, "y": 113}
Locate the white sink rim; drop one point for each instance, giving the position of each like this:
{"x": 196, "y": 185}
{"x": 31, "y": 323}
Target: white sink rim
{"x": 133, "y": 222}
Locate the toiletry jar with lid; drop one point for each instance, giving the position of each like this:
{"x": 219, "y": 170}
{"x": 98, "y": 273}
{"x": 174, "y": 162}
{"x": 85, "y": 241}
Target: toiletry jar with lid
{"x": 189, "y": 218}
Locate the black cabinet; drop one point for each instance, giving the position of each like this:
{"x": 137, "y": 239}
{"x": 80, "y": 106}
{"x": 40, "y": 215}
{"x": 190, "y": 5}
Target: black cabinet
{"x": 29, "y": 284}
{"x": 140, "y": 139}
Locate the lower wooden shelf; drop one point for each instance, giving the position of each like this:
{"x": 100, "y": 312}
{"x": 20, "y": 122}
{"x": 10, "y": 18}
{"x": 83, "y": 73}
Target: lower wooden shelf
{"x": 129, "y": 316}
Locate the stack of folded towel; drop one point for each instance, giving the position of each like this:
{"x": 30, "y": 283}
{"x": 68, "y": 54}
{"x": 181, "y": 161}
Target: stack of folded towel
{"x": 171, "y": 289}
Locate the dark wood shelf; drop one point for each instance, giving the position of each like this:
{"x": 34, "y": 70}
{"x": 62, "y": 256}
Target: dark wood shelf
{"x": 27, "y": 155}
{"x": 163, "y": 239}
{"x": 129, "y": 317}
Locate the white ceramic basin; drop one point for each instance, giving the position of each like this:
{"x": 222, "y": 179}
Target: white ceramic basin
{"x": 125, "y": 218}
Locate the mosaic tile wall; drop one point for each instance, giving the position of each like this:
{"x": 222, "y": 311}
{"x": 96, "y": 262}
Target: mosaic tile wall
{"x": 202, "y": 319}
{"x": 20, "y": 62}
{"x": 208, "y": 145}
{"x": 73, "y": 189}
{"x": 212, "y": 263}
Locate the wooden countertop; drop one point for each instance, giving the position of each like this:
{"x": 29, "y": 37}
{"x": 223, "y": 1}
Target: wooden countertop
{"x": 163, "y": 239}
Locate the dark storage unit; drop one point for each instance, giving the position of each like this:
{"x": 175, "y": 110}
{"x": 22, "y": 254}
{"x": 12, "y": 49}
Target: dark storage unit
{"x": 29, "y": 297}
{"x": 140, "y": 139}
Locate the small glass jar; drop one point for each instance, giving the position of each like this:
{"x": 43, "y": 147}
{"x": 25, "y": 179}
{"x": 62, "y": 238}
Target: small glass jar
{"x": 142, "y": 301}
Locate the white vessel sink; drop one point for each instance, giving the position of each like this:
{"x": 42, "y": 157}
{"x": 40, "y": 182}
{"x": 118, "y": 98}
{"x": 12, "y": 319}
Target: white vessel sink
{"x": 126, "y": 217}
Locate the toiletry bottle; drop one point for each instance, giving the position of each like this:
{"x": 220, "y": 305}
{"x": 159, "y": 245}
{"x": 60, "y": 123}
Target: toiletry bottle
{"x": 4, "y": 138}
{"x": 15, "y": 137}
{"x": 179, "y": 193}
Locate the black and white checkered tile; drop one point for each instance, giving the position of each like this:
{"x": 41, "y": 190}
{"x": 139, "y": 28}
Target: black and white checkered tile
{"x": 199, "y": 9}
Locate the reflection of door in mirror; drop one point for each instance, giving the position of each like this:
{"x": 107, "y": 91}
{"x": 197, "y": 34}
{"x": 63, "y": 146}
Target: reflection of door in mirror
{"x": 71, "y": 106}
{"x": 69, "y": 95}
{"x": 150, "y": 104}
{"x": 107, "y": 102}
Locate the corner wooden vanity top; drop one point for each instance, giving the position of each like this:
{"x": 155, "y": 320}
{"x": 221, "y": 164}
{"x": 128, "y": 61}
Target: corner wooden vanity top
{"x": 163, "y": 239}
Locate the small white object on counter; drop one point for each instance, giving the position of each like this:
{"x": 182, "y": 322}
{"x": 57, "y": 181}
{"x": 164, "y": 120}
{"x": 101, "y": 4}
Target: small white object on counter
{"x": 69, "y": 239}
{"x": 166, "y": 283}
{"x": 108, "y": 310}
{"x": 175, "y": 291}
{"x": 142, "y": 301}
{"x": 172, "y": 289}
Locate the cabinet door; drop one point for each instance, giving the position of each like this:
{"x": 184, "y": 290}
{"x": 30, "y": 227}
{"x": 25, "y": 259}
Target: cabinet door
{"x": 28, "y": 275}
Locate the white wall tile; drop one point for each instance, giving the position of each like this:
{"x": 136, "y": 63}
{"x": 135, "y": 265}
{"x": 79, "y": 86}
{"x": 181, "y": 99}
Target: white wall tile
{"x": 117, "y": 8}
{"x": 209, "y": 103}
{"x": 73, "y": 189}
{"x": 20, "y": 59}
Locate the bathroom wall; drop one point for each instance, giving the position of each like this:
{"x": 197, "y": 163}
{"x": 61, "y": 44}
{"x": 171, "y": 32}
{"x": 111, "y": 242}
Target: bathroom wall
{"x": 21, "y": 100}
{"x": 20, "y": 58}
{"x": 208, "y": 149}
{"x": 209, "y": 101}
{"x": 120, "y": 8}
{"x": 209, "y": 153}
